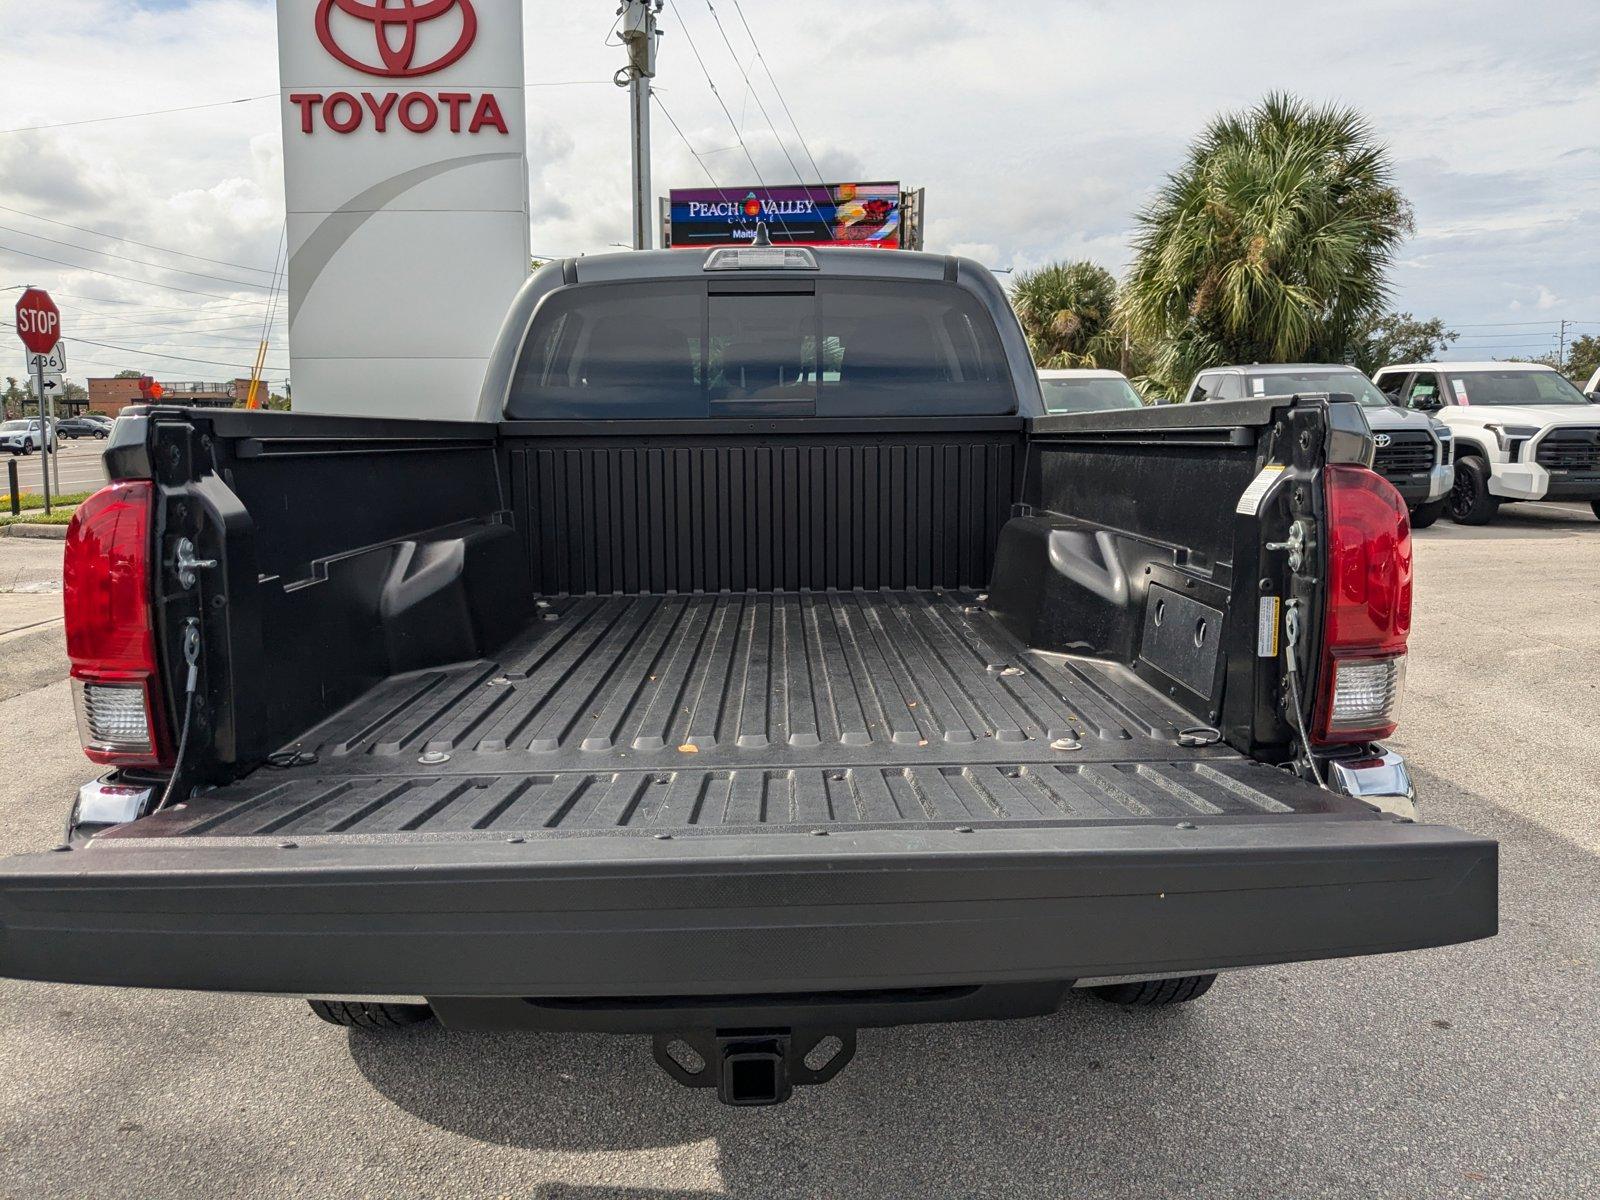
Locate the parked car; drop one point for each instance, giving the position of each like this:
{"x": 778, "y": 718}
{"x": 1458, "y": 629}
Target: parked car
{"x": 1087, "y": 390}
{"x": 1592, "y": 388}
{"x": 1523, "y": 432}
{"x": 1411, "y": 451}
{"x": 24, "y": 436}
{"x": 700, "y": 693}
{"x": 74, "y": 428}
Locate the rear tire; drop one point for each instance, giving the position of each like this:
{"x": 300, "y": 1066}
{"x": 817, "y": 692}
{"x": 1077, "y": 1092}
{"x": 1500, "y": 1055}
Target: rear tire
{"x": 1424, "y": 515}
{"x": 1470, "y": 501}
{"x": 1157, "y": 993}
{"x": 358, "y": 1014}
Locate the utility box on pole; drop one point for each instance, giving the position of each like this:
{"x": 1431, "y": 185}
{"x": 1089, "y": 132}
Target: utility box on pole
{"x": 637, "y": 26}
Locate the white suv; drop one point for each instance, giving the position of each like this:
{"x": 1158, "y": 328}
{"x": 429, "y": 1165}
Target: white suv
{"x": 1522, "y": 432}
{"x": 24, "y": 436}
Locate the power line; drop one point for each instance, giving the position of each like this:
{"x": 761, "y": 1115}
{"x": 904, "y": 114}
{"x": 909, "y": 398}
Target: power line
{"x": 136, "y": 261}
{"x": 732, "y": 53}
{"x": 159, "y": 112}
{"x": 1553, "y": 321}
{"x": 126, "y": 278}
{"x": 1502, "y": 336}
{"x": 136, "y": 303}
{"x": 157, "y": 335}
{"x": 201, "y": 325}
{"x": 115, "y": 237}
{"x": 688, "y": 145}
{"x": 762, "y": 58}
{"x": 177, "y": 357}
{"x": 732, "y": 124}
{"x": 157, "y": 354}
{"x": 84, "y": 366}
{"x": 280, "y": 268}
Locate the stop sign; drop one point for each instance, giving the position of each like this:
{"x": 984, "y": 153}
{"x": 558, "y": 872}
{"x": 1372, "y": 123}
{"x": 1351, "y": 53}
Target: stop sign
{"x": 38, "y": 321}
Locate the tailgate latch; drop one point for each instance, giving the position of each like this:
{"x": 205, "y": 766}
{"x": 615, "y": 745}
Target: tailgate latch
{"x": 187, "y": 565}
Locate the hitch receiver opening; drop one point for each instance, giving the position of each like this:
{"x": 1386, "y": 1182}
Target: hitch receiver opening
{"x": 754, "y": 1067}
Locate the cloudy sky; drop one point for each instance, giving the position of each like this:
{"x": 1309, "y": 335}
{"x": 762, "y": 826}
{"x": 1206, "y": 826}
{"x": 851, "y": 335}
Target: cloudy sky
{"x": 1038, "y": 130}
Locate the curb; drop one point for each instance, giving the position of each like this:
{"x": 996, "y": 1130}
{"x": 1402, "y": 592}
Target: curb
{"x": 56, "y": 533}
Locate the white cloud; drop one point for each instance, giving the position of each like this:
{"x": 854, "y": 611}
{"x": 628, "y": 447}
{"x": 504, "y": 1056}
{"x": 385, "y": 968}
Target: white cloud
{"x": 1038, "y": 130}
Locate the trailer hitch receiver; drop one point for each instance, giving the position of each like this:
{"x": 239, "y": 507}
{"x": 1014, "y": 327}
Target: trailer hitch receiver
{"x": 754, "y": 1067}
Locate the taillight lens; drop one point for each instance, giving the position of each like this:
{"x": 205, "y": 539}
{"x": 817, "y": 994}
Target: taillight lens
{"x": 1369, "y": 607}
{"x": 110, "y": 631}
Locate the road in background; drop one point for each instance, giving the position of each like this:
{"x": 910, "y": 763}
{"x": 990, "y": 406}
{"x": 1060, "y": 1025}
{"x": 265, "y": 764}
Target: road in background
{"x": 81, "y": 469}
{"x": 1467, "y": 1071}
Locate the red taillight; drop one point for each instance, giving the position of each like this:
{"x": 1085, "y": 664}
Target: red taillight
{"x": 1369, "y": 607}
{"x": 110, "y": 632}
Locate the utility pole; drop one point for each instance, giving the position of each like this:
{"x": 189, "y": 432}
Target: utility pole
{"x": 1561, "y": 358}
{"x": 641, "y": 35}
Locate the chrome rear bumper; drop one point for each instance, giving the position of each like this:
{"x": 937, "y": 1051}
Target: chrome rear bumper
{"x": 1380, "y": 779}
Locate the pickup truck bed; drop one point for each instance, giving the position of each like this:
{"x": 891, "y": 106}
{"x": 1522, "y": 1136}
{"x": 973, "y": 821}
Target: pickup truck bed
{"x": 742, "y": 714}
{"x": 886, "y": 791}
{"x": 671, "y": 713}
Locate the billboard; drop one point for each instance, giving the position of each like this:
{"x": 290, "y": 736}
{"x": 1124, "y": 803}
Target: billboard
{"x": 405, "y": 160}
{"x": 835, "y": 214}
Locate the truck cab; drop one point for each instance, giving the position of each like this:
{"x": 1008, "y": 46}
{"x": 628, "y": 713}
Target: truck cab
{"x": 1522, "y": 432}
{"x": 1411, "y": 451}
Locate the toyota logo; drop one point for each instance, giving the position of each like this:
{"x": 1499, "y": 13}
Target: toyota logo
{"x": 394, "y": 29}
{"x": 1383, "y": 441}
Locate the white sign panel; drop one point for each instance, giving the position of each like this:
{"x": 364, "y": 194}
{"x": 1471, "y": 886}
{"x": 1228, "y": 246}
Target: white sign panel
{"x": 53, "y": 384}
{"x": 55, "y": 361}
{"x": 405, "y": 158}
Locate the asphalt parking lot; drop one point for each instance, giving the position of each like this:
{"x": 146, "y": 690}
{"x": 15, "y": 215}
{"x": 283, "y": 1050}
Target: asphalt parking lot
{"x": 1470, "y": 1071}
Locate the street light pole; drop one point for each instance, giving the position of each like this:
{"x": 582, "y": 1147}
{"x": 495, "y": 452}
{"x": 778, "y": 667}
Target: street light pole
{"x": 637, "y": 23}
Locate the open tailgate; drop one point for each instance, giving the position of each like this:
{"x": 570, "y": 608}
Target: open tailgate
{"x": 1241, "y": 865}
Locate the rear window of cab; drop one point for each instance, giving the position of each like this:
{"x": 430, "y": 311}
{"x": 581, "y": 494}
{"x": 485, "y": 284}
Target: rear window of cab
{"x": 696, "y": 348}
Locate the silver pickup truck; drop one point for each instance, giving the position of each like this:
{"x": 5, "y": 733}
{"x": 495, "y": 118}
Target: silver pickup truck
{"x": 766, "y": 664}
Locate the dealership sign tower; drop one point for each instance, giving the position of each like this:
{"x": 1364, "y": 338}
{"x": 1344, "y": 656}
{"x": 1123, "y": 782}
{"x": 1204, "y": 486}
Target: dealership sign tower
{"x": 405, "y": 159}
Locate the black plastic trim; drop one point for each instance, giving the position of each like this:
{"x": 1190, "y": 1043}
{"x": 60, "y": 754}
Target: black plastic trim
{"x": 761, "y": 426}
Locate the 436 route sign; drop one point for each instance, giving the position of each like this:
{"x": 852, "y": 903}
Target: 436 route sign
{"x": 38, "y": 321}
{"x": 55, "y": 362}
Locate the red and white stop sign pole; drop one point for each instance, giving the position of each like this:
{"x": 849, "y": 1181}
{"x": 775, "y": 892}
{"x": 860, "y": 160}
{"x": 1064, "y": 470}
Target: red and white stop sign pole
{"x": 39, "y": 327}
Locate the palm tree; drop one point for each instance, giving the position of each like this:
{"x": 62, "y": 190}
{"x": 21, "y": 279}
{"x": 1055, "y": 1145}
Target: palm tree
{"x": 1272, "y": 243}
{"x": 1067, "y": 310}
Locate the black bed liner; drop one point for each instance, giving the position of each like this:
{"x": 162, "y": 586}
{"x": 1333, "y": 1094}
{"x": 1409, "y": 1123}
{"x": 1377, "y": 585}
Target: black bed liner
{"x": 791, "y": 678}
{"x": 655, "y": 713}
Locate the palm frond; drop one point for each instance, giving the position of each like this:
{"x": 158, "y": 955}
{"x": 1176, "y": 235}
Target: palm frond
{"x": 1273, "y": 240}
